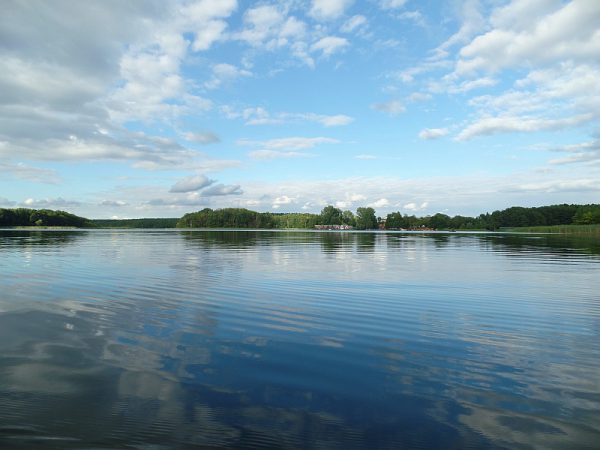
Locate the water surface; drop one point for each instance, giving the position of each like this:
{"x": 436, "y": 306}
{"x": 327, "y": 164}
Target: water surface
{"x": 258, "y": 339}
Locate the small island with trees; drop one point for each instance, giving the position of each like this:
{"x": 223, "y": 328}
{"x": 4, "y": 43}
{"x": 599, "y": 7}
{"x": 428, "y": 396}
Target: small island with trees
{"x": 554, "y": 218}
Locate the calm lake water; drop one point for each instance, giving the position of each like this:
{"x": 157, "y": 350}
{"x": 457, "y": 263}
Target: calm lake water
{"x": 257, "y": 339}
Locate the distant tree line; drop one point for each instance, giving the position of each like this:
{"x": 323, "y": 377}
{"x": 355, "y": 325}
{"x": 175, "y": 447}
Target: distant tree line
{"x": 365, "y": 218}
{"x": 135, "y": 223}
{"x": 515, "y": 216}
{"x": 244, "y": 218}
{"x": 24, "y": 217}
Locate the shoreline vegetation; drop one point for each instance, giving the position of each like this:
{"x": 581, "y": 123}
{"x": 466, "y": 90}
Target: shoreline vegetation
{"x": 554, "y": 219}
{"x": 593, "y": 229}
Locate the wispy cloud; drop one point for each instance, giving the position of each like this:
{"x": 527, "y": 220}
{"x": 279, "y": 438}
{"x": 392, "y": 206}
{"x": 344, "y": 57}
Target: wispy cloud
{"x": 584, "y": 152}
{"x": 290, "y": 143}
{"x": 29, "y": 173}
{"x": 260, "y": 116}
{"x": 114, "y": 203}
{"x": 487, "y": 126}
{"x": 392, "y": 107}
{"x": 57, "y": 202}
{"x": 222, "y": 189}
{"x": 225, "y": 73}
{"x": 433, "y": 133}
{"x": 276, "y": 154}
{"x": 202, "y": 138}
{"x": 353, "y": 23}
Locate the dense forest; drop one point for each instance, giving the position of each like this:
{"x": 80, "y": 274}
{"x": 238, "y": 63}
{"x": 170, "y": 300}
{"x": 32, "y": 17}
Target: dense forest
{"x": 363, "y": 219}
{"x": 24, "y": 217}
{"x": 244, "y": 218}
{"x": 135, "y": 223}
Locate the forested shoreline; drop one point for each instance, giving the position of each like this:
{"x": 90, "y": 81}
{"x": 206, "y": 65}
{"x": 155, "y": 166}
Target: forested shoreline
{"x": 25, "y": 217}
{"x": 363, "y": 219}
{"x": 135, "y": 223}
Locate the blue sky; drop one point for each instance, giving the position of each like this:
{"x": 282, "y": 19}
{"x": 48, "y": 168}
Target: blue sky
{"x": 155, "y": 109}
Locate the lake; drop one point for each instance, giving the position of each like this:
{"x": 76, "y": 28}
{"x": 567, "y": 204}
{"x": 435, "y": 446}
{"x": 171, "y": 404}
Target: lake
{"x": 263, "y": 339}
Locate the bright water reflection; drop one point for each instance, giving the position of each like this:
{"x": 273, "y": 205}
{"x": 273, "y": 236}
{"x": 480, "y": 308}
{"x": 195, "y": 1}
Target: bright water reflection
{"x": 298, "y": 340}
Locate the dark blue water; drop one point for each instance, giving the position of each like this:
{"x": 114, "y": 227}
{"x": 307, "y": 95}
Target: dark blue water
{"x": 208, "y": 339}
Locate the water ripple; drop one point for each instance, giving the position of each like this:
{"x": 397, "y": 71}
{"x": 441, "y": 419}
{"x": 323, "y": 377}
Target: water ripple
{"x": 247, "y": 339}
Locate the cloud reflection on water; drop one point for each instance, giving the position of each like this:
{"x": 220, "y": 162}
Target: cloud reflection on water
{"x": 239, "y": 339}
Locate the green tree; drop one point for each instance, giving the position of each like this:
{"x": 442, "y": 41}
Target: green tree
{"x": 330, "y": 215}
{"x": 587, "y": 214}
{"x": 366, "y": 219}
{"x": 440, "y": 221}
{"x": 348, "y": 218}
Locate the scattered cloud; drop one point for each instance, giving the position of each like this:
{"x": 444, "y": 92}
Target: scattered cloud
{"x": 192, "y": 183}
{"x": 557, "y": 186}
{"x": 393, "y": 107}
{"x": 469, "y": 85}
{"x": 414, "y": 207}
{"x": 119, "y": 81}
{"x": 260, "y": 116}
{"x": 6, "y": 203}
{"x": 68, "y": 97}
{"x": 353, "y": 23}
{"x": 29, "y": 173}
{"x": 192, "y": 199}
{"x": 332, "y": 121}
{"x": 585, "y": 152}
{"x": 392, "y": 4}
{"x": 487, "y": 126}
{"x": 381, "y": 203}
{"x": 114, "y": 203}
{"x": 328, "y": 9}
{"x": 222, "y": 189}
{"x": 139, "y": 149}
{"x": 270, "y": 27}
{"x": 206, "y": 20}
{"x": 283, "y": 200}
{"x": 213, "y": 165}
{"x": 202, "y": 138}
{"x": 350, "y": 200}
{"x": 433, "y": 133}
{"x": 225, "y": 73}
{"x": 470, "y": 195}
{"x": 525, "y": 33}
{"x": 51, "y": 203}
{"x": 419, "y": 97}
{"x": 290, "y": 143}
{"x": 285, "y": 147}
{"x": 473, "y": 22}
{"x": 329, "y": 45}
{"x": 555, "y": 43}
{"x": 414, "y": 16}
{"x": 275, "y": 154}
